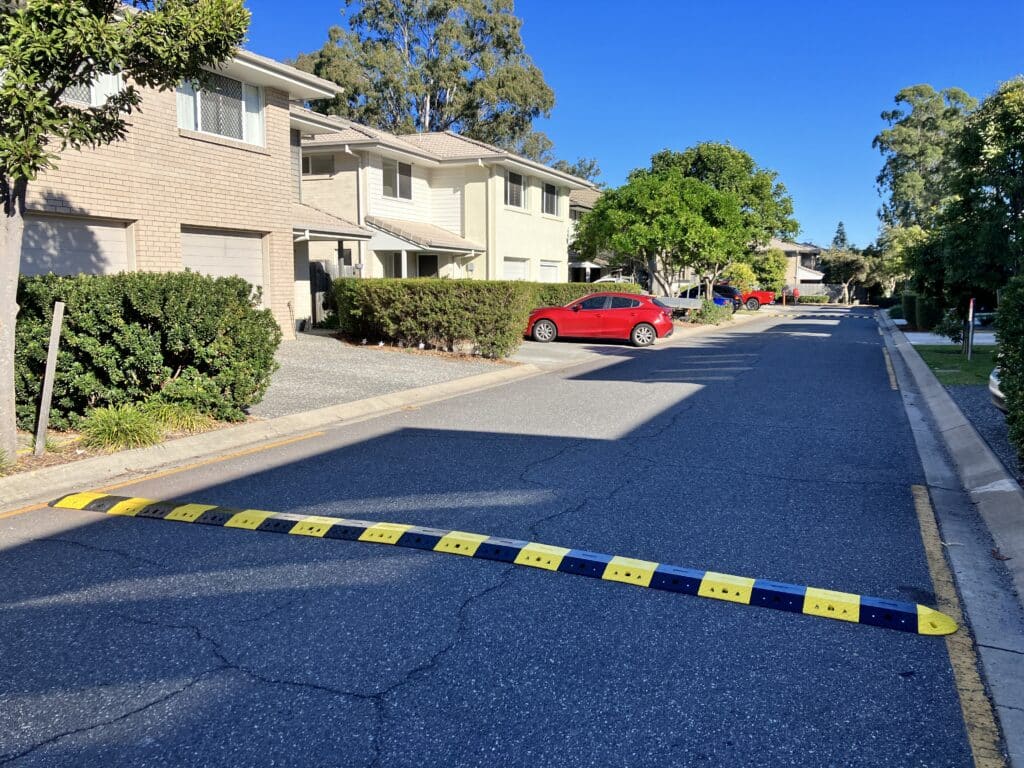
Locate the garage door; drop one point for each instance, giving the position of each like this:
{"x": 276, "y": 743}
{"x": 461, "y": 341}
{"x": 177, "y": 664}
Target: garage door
{"x": 68, "y": 246}
{"x": 550, "y": 272}
{"x": 223, "y": 254}
{"x": 516, "y": 269}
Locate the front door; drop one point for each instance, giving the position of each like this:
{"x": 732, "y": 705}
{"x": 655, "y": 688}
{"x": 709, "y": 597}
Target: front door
{"x": 589, "y": 319}
{"x": 427, "y": 265}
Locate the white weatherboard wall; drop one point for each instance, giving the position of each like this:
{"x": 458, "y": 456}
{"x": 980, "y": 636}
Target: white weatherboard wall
{"x": 70, "y": 246}
{"x": 417, "y": 209}
{"x": 446, "y": 194}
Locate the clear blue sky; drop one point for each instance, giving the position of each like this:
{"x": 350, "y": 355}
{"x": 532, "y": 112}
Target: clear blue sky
{"x": 799, "y": 85}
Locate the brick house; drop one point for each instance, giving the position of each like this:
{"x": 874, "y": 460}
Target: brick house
{"x": 206, "y": 180}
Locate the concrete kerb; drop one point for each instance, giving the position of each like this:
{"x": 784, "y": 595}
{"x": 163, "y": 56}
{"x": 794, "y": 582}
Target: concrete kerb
{"x": 990, "y": 590}
{"x": 998, "y": 497}
{"x": 24, "y": 488}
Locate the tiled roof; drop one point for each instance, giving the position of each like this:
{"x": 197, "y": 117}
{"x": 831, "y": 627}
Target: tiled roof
{"x": 584, "y": 198}
{"x": 423, "y": 235}
{"x": 785, "y": 245}
{"x": 439, "y": 146}
{"x": 307, "y": 217}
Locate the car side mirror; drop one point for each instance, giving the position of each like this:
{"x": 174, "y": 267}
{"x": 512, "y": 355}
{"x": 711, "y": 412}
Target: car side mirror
{"x": 576, "y": 307}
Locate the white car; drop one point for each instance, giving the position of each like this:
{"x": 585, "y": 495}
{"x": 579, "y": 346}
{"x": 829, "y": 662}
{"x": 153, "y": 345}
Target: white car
{"x": 998, "y": 400}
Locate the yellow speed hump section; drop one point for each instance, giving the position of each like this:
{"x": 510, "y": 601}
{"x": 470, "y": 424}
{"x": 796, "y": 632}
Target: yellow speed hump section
{"x": 793, "y": 598}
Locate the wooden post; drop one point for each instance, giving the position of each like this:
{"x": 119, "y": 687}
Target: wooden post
{"x": 51, "y": 365}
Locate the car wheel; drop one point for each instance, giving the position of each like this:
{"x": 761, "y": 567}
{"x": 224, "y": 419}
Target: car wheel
{"x": 753, "y": 304}
{"x": 544, "y": 331}
{"x": 643, "y": 335}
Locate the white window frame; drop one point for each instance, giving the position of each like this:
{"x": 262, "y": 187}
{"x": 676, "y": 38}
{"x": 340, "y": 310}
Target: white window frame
{"x": 554, "y": 196}
{"x": 190, "y": 111}
{"x": 390, "y": 165}
{"x": 100, "y": 90}
{"x": 508, "y": 189}
{"x": 307, "y": 165}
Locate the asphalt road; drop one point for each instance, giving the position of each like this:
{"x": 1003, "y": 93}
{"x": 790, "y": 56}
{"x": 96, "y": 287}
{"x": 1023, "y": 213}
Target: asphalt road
{"x": 775, "y": 450}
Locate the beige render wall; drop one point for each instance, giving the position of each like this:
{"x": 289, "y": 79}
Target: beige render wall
{"x": 527, "y": 233}
{"x": 160, "y": 178}
{"x": 336, "y": 194}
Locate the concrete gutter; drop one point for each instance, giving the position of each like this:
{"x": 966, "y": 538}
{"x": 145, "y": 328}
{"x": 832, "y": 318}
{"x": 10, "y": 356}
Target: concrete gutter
{"x": 975, "y": 488}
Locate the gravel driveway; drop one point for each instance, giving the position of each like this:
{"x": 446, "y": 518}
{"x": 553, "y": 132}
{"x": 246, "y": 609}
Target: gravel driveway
{"x": 317, "y": 371}
{"x": 991, "y": 424}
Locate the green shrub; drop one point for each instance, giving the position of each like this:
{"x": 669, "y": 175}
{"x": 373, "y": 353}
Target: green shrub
{"x": 560, "y": 294}
{"x": 812, "y": 299}
{"x": 710, "y": 314}
{"x": 951, "y": 326}
{"x": 188, "y": 338}
{"x": 117, "y": 427}
{"x": 927, "y": 313}
{"x": 490, "y": 315}
{"x": 909, "y": 304}
{"x": 178, "y": 417}
{"x": 896, "y": 312}
{"x": 1010, "y": 335}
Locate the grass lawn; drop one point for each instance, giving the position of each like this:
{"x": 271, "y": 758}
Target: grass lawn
{"x": 952, "y": 367}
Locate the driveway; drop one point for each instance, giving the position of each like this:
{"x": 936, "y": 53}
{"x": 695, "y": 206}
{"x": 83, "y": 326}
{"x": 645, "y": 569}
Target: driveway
{"x": 318, "y": 370}
{"x": 146, "y": 642}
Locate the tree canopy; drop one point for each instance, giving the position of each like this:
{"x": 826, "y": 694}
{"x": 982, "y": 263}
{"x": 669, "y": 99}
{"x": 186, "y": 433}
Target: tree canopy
{"x": 915, "y": 148}
{"x": 50, "y": 46}
{"x": 436, "y": 65}
{"x": 701, "y": 209}
{"x": 583, "y": 167}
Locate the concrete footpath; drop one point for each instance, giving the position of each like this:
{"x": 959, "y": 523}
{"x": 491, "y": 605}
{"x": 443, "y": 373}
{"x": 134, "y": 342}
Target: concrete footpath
{"x": 46, "y": 483}
{"x": 970, "y": 487}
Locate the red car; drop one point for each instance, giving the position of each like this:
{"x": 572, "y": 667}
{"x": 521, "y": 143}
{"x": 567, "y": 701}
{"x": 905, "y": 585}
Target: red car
{"x": 641, "y": 319}
{"x": 754, "y": 299}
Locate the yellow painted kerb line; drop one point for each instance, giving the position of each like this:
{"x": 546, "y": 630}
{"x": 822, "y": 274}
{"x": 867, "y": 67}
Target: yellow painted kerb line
{"x": 890, "y": 370}
{"x": 178, "y": 470}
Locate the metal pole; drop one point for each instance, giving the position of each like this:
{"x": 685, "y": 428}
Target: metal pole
{"x": 51, "y": 365}
{"x": 970, "y": 329}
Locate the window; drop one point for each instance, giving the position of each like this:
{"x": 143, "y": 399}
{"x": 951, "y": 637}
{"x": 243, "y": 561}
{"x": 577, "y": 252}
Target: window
{"x": 551, "y": 199}
{"x": 514, "y": 190}
{"x": 595, "y": 302}
{"x": 575, "y": 214}
{"x": 318, "y": 165}
{"x": 621, "y": 302}
{"x": 397, "y": 179}
{"x": 94, "y": 94}
{"x": 223, "y": 107}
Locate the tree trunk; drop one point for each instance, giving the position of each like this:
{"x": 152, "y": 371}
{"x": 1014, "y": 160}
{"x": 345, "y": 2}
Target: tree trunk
{"x": 12, "y": 196}
{"x": 658, "y": 282}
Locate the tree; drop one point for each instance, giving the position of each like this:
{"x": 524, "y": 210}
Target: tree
{"x": 915, "y": 148}
{"x": 740, "y": 275}
{"x": 846, "y": 267}
{"x": 434, "y": 65}
{"x": 839, "y": 240}
{"x": 665, "y": 222}
{"x": 584, "y": 168}
{"x": 770, "y": 270}
{"x": 982, "y": 227}
{"x": 48, "y": 46}
{"x": 766, "y": 205}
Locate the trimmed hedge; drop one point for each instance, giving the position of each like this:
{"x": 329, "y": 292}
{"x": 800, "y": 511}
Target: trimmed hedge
{"x": 927, "y": 313}
{"x": 449, "y": 314}
{"x": 488, "y": 316}
{"x": 560, "y": 294}
{"x": 909, "y": 303}
{"x": 812, "y": 299}
{"x": 134, "y": 337}
{"x": 1010, "y": 335}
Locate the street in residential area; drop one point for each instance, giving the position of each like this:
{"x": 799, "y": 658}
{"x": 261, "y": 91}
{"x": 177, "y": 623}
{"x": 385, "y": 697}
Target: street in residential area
{"x": 776, "y": 449}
